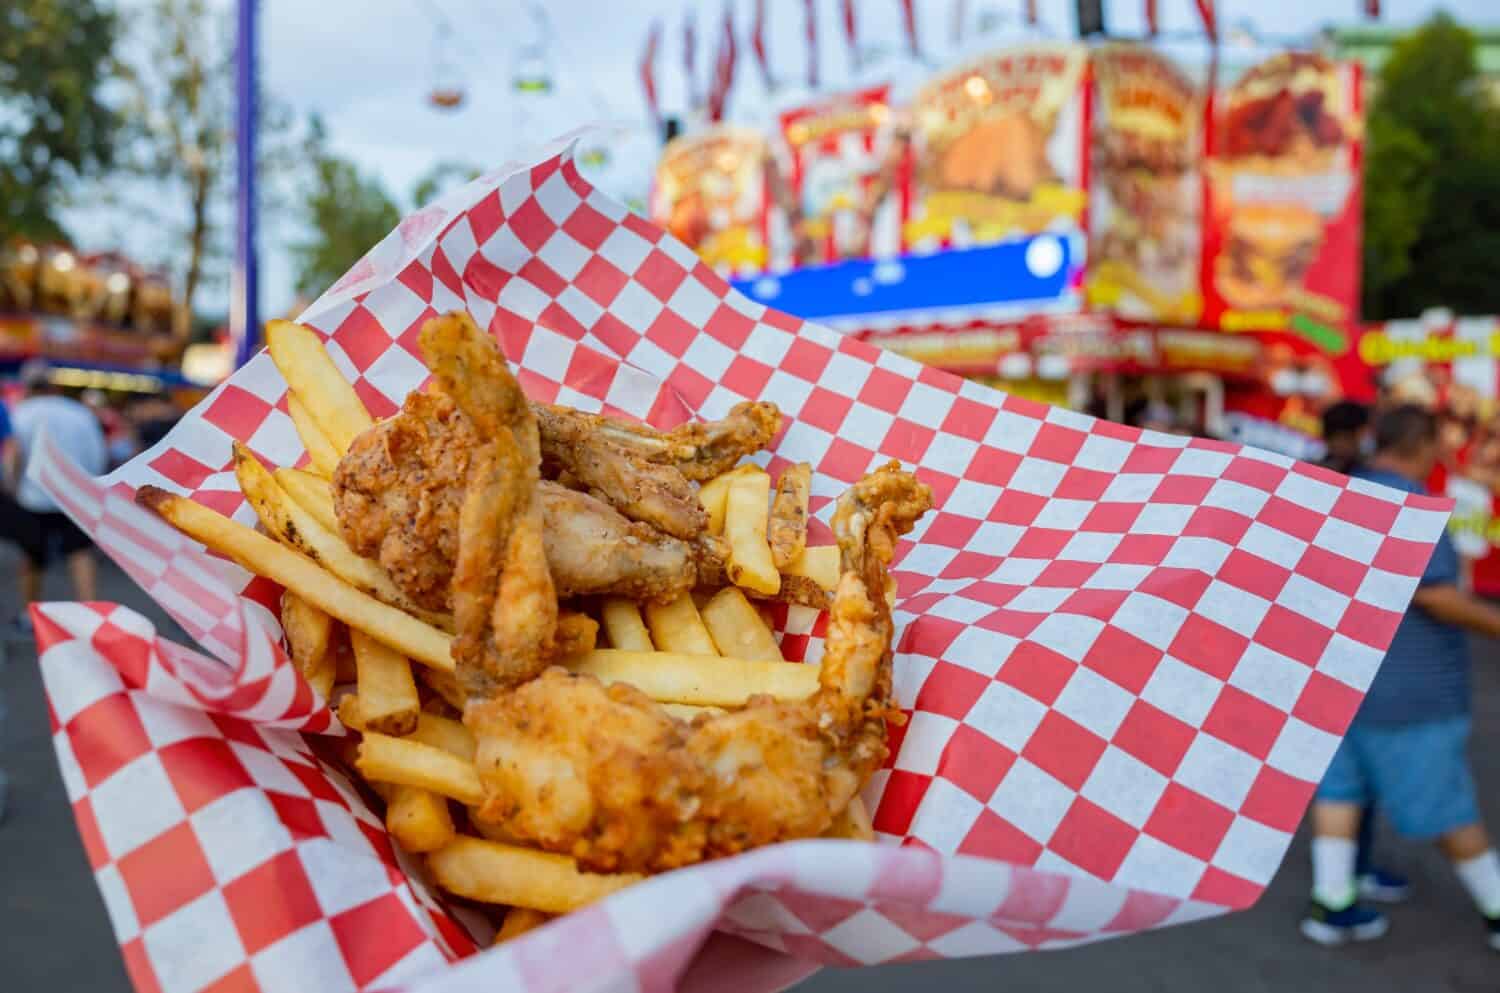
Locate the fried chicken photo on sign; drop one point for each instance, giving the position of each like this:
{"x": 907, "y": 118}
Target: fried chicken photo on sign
{"x": 608, "y": 776}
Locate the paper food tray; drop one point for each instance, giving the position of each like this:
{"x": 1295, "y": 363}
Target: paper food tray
{"x": 1126, "y": 658}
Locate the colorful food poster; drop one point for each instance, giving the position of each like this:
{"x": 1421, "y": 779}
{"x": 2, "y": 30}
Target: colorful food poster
{"x": 710, "y": 193}
{"x": 844, "y": 178}
{"x": 998, "y": 148}
{"x": 1145, "y": 195}
{"x": 1282, "y": 238}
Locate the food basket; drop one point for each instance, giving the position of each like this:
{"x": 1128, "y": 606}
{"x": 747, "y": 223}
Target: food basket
{"x": 1125, "y": 658}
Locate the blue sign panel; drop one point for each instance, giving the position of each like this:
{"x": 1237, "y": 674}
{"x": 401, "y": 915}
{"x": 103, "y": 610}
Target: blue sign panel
{"x": 1034, "y": 270}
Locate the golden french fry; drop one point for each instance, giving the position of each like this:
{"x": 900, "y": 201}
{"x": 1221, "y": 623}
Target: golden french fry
{"x": 308, "y": 633}
{"x": 819, "y": 563}
{"x": 712, "y": 494}
{"x": 676, "y": 627}
{"x": 319, "y": 587}
{"x": 286, "y": 519}
{"x": 787, "y": 528}
{"x": 737, "y": 627}
{"x": 439, "y": 732}
{"x": 418, "y": 819}
{"x": 745, "y": 511}
{"x": 313, "y": 494}
{"x": 404, "y": 762}
{"x": 670, "y": 677}
{"x": 320, "y": 450}
{"x": 491, "y": 872}
{"x": 445, "y": 685}
{"x": 711, "y": 497}
{"x": 519, "y": 920}
{"x": 299, "y": 353}
{"x": 852, "y": 823}
{"x": 623, "y": 624}
{"x": 388, "y": 700}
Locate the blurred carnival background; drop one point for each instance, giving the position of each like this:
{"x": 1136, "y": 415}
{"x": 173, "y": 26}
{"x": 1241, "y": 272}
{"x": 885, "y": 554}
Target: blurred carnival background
{"x": 1216, "y": 217}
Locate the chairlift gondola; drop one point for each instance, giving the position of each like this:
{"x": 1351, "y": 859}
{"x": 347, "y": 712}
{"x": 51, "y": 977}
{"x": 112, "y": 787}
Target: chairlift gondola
{"x": 448, "y": 91}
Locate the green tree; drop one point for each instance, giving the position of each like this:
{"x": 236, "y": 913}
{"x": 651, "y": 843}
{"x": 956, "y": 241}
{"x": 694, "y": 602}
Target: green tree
{"x": 1432, "y": 193}
{"x": 54, "y": 123}
{"x": 439, "y": 180}
{"x": 347, "y": 211}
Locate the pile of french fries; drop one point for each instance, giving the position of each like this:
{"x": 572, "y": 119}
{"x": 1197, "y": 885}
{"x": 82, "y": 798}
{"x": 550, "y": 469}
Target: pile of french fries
{"x": 387, "y": 666}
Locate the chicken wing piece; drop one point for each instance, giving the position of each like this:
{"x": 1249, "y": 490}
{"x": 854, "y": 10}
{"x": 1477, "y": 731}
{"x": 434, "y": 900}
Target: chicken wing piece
{"x": 611, "y": 778}
{"x": 644, "y": 491}
{"x": 398, "y": 491}
{"x": 700, "y": 450}
{"x": 504, "y": 603}
{"x": 592, "y": 548}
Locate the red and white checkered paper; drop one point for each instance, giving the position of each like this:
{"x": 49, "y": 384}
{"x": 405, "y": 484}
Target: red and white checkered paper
{"x": 1126, "y": 658}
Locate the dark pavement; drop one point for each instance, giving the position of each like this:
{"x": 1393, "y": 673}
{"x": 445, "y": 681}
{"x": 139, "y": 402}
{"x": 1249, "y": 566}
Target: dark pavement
{"x": 54, "y": 935}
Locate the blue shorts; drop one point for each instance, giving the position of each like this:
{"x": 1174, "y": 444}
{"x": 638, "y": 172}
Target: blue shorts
{"x": 1415, "y": 775}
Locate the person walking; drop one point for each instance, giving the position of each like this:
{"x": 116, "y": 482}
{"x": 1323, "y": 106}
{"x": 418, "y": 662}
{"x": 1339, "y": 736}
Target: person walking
{"x": 1405, "y": 750}
{"x": 28, "y": 516}
{"x": 1346, "y": 435}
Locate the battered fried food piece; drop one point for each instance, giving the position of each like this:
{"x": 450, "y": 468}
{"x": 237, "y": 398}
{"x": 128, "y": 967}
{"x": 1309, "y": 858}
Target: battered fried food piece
{"x": 504, "y": 603}
{"x": 592, "y": 548}
{"x": 610, "y": 777}
{"x": 700, "y": 450}
{"x": 786, "y": 529}
{"x": 641, "y": 490}
{"x": 399, "y": 491}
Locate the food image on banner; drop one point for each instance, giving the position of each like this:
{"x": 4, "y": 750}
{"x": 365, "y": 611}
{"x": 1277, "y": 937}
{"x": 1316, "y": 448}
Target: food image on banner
{"x": 710, "y": 194}
{"x": 845, "y": 164}
{"x": 998, "y": 148}
{"x": 1145, "y": 202}
{"x": 1282, "y": 239}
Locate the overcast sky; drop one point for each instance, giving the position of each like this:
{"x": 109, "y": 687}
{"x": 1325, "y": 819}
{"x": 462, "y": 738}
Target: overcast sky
{"x": 367, "y": 66}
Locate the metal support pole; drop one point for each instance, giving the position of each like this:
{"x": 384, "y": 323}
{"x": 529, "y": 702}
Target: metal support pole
{"x": 244, "y": 321}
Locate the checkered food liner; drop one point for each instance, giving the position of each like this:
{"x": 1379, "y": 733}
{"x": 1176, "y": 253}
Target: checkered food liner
{"x": 1125, "y": 658}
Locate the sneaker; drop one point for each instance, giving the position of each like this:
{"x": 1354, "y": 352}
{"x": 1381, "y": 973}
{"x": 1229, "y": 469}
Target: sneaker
{"x": 1355, "y": 922}
{"x": 1382, "y": 886}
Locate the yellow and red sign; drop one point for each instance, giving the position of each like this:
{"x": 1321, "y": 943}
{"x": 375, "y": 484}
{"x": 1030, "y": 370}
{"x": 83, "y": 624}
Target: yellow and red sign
{"x": 998, "y": 147}
{"x": 1281, "y": 243}
{"x": 710, "y": 193}
{"x": 845, "y": 181}
{"x": 1144, "y": 194}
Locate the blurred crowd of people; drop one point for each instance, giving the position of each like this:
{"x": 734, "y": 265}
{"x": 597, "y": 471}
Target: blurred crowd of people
{"x": 97, "y": 433}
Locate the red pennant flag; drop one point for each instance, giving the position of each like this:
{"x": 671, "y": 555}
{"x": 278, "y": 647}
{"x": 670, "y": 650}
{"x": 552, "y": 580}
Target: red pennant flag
{"x": 909, "y": 22}
{"x": 1372, "y": 9}
{"x": 648, "y": 70}
{"x": 1210, "y": 18}
{"x": 1031, "y": 17}
{"x": 758, "y": 44}
{"x": 1151, "y": 27}
{"x": 851, "y": 32}
{"x": 811, "y": 8}
{"x": 690, "y": 58}
{"x": 724, "y": 64}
